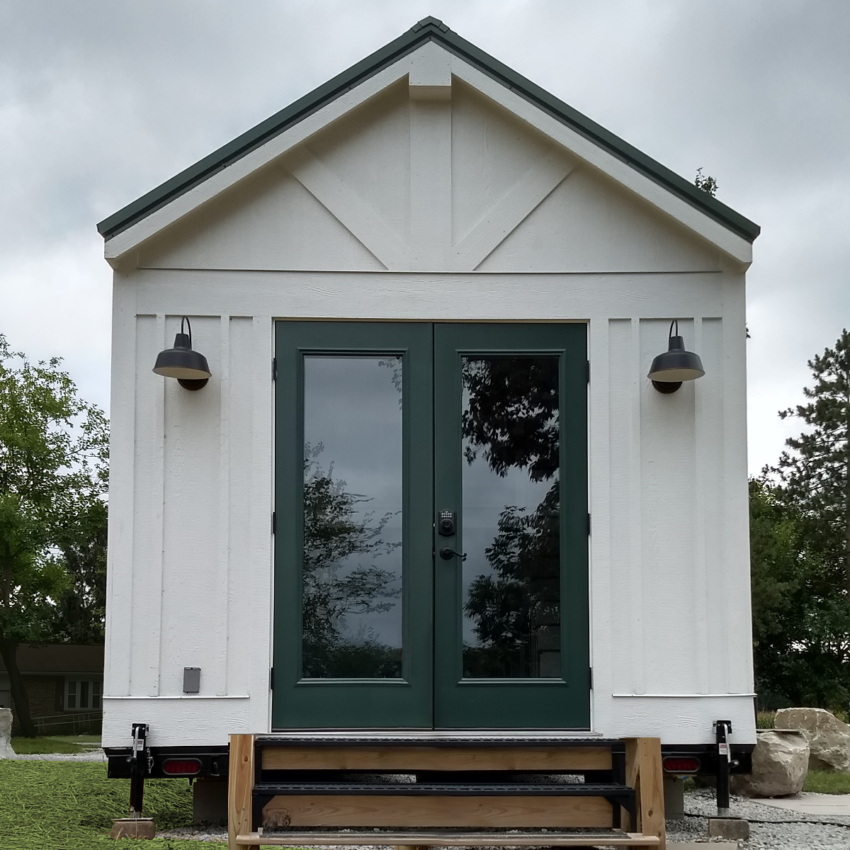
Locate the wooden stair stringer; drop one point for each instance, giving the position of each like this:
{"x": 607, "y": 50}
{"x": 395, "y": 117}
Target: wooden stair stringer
{"x": 273, "y": 783}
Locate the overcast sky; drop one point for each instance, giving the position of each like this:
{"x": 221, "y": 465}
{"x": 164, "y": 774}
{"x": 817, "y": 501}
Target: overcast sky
{"x": 100, "y": 101}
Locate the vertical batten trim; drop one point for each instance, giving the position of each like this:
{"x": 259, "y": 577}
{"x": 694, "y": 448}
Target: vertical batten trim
{"x": 599, "y": 472}
{"x": 430, "y": 184}
{"x": 158, "y": 523}
{"x": 636, "y": 500}
{"x": 122, "y": 453}
{"x": 702, "y": 439}
{"x": 259, "y": 573}
{"x": 737, "y": 620}
{"x": 221, "y": 632}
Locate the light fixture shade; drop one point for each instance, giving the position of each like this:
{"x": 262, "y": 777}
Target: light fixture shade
{"x": 189, "y": 367}
{"x": 676, "y": 364}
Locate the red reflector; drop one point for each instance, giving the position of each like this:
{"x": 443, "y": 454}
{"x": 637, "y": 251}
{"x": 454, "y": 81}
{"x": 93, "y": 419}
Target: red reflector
{"x": 181, "y": 767}
{"x": 681, "y": 764}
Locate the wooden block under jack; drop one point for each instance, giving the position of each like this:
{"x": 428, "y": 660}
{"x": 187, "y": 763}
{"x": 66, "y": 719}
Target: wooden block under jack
{"x": 133, "y": 828}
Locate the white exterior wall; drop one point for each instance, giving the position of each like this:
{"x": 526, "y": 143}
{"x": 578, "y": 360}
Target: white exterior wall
{"x": 429, "y": 203}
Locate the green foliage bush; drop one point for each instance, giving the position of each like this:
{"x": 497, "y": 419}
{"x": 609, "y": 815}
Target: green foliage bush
{"x": 54, "y": 805}
{"x": 764, "y": 719}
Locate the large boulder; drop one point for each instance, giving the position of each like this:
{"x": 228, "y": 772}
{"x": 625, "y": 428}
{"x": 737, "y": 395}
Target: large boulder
{"x": 6, "y": 751}
{"x": 828, "y": 737}
{"x": 780, "y": 765}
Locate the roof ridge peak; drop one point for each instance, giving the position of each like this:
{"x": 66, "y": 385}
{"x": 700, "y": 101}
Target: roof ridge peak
{"x": 430, "y": 21}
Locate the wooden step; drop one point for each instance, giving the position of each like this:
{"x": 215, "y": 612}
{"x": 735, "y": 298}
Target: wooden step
{"x": 441, "y": 838}
{"x": 443, "y": 753}
{"x": 483, "y": 812}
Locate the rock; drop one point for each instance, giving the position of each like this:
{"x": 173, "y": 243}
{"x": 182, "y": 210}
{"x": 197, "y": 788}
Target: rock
{"x": 780, "y": 765}
{"x": 6, "y": 751}
{"x": 828, "y": 737}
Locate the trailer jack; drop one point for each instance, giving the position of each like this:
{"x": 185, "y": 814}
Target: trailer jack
{"x": 141, "y": 763}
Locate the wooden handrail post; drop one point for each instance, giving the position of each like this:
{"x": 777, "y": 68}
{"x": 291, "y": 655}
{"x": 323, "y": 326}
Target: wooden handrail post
{"x": 240, "y": 787}
{"x": 644, "y": 774}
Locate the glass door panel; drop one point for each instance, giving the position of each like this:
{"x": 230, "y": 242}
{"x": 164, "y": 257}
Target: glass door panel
{"x": 353, "y": 545}
{"x": 511, "y": 596}
{"x": 511, "y": 642}
{"x": 353, "y": 510}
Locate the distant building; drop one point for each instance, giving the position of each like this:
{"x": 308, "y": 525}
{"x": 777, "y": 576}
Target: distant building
{"x": 64, "y": 684}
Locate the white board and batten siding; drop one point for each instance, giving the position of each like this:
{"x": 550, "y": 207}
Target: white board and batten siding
{"x": 429, "y": 193}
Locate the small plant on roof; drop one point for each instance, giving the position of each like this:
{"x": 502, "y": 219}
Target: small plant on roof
{"x": 706, "y": 183}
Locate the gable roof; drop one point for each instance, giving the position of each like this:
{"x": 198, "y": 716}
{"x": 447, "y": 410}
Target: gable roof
{"x": 428, "y": 29}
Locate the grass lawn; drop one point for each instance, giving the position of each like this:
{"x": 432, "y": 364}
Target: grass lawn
{"x": 46, "y": 744}
{"x": 62, "y": 744}
{"x": 55, "y": 805}
{"x": 821, "y": 782}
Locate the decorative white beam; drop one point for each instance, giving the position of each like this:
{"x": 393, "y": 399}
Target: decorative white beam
{"x": 355, "y": 214}
{"x": 539, "y": 181}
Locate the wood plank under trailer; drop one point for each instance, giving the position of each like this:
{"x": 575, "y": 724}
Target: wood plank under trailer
{"x": 438, "y": 838}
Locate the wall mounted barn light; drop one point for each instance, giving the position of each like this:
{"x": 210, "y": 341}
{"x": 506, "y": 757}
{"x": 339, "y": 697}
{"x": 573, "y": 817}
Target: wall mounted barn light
{"x": 675, "y": 365}
{"x": 189, "y": 367}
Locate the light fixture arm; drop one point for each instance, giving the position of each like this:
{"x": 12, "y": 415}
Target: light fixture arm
{"x": 185, "y": 321}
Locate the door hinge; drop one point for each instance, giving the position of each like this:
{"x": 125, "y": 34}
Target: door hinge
{"x": 271, "y": 679}
{"x": 274, "y": 369}
{"x": 588, "y": 371}
{"x": 588, "y": 525}
{"x": 590, "y": 677}
{"x": 274, "y": 522}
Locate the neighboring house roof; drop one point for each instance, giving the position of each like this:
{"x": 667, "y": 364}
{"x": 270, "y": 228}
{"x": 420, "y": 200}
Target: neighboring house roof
{"x": 429, "y": 29}
{"x": 55, "y": 658}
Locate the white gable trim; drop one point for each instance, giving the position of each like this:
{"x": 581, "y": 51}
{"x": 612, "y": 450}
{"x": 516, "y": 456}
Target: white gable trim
{"x": 131, "y": 238}
{"x": 421, "y": 66}
{"x": 649, "y": 190}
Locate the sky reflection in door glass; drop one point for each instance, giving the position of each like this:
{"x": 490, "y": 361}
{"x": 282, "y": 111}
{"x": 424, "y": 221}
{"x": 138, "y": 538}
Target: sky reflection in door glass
{"x": 352, "y": 566}
{"x": 511, "y": 527}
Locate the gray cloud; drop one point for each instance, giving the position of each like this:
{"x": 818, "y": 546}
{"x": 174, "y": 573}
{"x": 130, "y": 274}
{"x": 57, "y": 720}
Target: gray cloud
{"x": 101, "y": 101}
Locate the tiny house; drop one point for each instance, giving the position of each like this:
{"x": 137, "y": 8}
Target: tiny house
{"x": 416, "y": 478}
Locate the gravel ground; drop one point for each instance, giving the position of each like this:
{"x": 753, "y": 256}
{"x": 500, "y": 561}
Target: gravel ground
{"x": 770, "y": 828}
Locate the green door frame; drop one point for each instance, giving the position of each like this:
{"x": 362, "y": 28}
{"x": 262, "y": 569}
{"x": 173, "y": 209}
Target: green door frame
{"x": 431, "y": 691}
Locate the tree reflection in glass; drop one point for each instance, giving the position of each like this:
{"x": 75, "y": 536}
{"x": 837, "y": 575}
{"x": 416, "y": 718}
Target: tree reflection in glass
{"x": 511, "y": 510}
{"x": 352, "y": 561}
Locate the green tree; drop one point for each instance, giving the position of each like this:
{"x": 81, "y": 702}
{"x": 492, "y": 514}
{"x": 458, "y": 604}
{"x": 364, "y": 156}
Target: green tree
{"x": 800, "y": 624}
{"x": 800, "y": 547}
{"x": 80, "y": 610}
{"x": 52, "y": 470}
{"x": 815, "y": 474}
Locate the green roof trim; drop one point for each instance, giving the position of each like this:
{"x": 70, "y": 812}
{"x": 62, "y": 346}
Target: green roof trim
{"x": 429, "y": 29}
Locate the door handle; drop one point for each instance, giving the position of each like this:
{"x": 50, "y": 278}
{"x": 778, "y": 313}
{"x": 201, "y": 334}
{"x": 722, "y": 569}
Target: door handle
{"x": 446, "y": 554}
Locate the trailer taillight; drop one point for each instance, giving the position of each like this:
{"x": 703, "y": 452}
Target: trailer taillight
{"x": 680, "y": 764}
{"x": 181, "y": 767}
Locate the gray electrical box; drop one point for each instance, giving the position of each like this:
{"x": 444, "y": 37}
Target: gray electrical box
{"x": 191, "y": 680}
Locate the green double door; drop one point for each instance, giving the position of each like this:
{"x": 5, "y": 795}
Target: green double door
{"x": 431, "y": 526}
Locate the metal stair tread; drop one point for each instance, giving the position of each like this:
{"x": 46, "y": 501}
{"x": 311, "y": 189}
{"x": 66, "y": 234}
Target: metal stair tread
{"x": 322, "y": 740}
{"x": 459, "y": 789}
